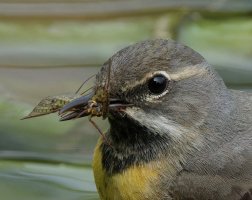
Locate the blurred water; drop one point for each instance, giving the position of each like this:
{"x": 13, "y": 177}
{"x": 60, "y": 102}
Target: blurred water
{"x": 41, "y": 181}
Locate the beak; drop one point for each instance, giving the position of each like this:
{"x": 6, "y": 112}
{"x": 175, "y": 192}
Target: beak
{"x": 77, "y": 103}
{"x": 74, "y": 115}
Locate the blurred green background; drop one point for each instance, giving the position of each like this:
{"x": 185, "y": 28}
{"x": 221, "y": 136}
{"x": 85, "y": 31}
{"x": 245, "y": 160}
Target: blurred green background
{"x": 51, "y": 47}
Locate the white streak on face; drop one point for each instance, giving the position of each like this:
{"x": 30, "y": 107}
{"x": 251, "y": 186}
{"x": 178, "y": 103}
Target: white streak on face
{"x": 157, "y": 124}
{"x": 183, "y": 138}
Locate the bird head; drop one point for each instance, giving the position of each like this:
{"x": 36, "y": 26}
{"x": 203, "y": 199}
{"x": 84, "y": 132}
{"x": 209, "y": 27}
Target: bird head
{"x": 156, "y": 89}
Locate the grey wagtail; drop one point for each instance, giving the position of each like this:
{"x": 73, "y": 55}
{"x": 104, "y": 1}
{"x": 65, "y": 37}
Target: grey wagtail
{"x": 176, "y": 131}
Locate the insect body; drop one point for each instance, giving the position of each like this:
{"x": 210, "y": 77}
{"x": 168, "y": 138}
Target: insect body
{"x": 100, "y": 100}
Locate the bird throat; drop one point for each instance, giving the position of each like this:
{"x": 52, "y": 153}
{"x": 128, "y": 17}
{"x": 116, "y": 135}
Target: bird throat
{"x": 132, "y": 144}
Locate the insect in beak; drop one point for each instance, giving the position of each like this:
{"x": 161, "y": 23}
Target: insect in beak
{"x": 77, "y": 104}
{"x": 89, "y": 105}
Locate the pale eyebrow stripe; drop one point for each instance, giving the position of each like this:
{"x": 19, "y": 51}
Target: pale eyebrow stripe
{"x": 188, "y": 72}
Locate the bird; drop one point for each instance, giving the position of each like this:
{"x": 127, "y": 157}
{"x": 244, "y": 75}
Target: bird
{"x": 176, "y": 132}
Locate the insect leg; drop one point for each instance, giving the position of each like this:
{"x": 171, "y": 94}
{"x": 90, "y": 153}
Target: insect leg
{"x": 99, "y": 130}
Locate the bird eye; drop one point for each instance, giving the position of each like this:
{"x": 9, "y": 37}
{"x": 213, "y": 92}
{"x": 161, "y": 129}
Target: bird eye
{"x": 157, "y": 84}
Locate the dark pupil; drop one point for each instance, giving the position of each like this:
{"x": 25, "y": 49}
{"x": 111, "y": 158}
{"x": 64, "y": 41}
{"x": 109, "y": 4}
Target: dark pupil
{"x": 157, "y": 84}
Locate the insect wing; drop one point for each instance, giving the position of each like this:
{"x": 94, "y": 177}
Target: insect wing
{"x": 50, "y": 105}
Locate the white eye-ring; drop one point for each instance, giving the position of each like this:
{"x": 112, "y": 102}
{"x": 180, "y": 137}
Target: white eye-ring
{"x": 158, "y": 85}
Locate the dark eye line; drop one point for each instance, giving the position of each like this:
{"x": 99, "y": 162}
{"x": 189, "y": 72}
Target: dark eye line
{"x": 137, "y": 91}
